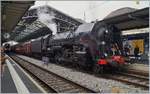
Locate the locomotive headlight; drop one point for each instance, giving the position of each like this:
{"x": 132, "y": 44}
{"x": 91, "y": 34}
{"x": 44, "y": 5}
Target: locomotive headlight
{"x": 103, "y": 43}
{"x": 106, "y": 31}
{"x": 106, "y": 54}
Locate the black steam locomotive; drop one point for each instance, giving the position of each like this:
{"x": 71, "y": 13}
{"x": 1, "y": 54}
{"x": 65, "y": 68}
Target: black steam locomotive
{"x": 93, "y": 45}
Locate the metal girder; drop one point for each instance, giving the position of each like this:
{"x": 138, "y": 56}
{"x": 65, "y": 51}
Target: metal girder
{"x": 131, "y": 20}
{"x": 29, "y": 29}
{"x": 32, "y": 23}
{"x": 12, "y": 11}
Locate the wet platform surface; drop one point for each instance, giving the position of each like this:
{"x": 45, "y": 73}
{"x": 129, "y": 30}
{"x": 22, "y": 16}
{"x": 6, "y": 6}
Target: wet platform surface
{"x": 29, "y": 84}
{"x": 9, "y": 85}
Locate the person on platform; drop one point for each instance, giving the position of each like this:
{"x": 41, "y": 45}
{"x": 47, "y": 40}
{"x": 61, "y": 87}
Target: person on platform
{"x": 45, "y": 60}
{"x": 127, "y": 48}
{"x": 2, "y": 61}
{"x": 136, "y": 52}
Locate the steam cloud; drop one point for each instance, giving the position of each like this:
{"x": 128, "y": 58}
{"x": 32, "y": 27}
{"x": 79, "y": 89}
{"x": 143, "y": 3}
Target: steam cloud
{"x": 46, "y": 18}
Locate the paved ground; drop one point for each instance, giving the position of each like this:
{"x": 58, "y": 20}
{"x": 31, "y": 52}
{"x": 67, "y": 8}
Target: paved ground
{"x": 7, "y": 84}
{"x": 29, "y": 84}
{"x": 142, "y": 67}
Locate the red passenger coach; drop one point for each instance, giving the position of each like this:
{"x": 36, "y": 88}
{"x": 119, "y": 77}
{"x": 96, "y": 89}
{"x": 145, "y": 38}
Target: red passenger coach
{"x": 27, "y": 48}
{"x": 19, "y": 49}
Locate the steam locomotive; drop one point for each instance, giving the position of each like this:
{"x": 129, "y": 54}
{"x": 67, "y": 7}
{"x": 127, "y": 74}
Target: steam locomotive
{"x": 95, "y": 46}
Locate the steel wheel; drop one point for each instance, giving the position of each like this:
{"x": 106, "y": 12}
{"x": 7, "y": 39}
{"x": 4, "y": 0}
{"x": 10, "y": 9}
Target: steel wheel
{"x": 57, "y": 58}
{"x": 96, "y": 68}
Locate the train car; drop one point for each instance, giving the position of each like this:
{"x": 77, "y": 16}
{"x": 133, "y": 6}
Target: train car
{"x": 45, "y": 41}
{"x": 27, "y": 48}
{"x": 19, "y": 48}
{"x": 36, "y": 47}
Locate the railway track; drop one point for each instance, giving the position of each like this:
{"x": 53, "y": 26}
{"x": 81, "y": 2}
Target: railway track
{"x": 142, "y": 73}
{"x": 52, "y": 81}
{"x": 130, "y": 78}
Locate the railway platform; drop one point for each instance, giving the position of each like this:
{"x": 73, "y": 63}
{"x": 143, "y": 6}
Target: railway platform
{"x": 15, "y": 80}
{"x": 138, "y": 67}
{"x": 7, "y": 84}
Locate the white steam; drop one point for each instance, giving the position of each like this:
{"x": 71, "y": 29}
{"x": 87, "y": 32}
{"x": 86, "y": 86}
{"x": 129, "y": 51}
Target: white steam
{"x": 46, "y": 17}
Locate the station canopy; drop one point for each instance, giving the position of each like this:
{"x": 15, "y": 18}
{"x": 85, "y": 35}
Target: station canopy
{"x": 128, "y": 18}
{"x": 123, "y": 19}
{"x": 31, "y": 25}
{"x": 12, "y": 12}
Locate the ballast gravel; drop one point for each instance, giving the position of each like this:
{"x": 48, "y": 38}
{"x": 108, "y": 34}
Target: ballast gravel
{"x": 97, "y": 84}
